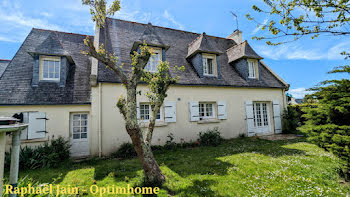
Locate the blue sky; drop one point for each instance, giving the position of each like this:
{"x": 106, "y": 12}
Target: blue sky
{"x": 302, "y": 64}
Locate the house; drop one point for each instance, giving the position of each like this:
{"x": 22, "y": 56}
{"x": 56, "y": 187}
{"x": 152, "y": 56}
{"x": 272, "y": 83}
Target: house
{"x": 64, "y": 93}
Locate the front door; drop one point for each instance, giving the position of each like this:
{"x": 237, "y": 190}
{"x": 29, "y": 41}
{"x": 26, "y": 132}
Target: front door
{"x": 79, "y": 135}
{"x": 261, "y": 117}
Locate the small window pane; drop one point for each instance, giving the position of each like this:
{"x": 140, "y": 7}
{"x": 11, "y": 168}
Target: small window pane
{"x": 76, "y": 123}
{"x": 84, "y": 116}
{"x": 83, "y": 135}
{"x": 83, "y": 122}
{"x": 76, "y": 136}
{"x": 76, "y": 117}
{"x": 210, "y": 66}
{"x": 76, "y": 130}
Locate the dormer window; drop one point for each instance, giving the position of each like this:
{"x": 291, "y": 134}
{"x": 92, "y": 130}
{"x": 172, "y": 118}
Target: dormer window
{"x": 50, "y": 68}
{"x": 154, "y": 60}
{"x": 252, "y": 68}
{"x": 209, "y": 65}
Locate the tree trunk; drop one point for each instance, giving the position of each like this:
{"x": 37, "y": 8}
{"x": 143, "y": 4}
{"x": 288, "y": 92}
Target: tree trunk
{"x": 153, "y": 174}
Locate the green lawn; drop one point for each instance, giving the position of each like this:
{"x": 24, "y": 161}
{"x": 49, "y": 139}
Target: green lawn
{"x": 239, "y": 167}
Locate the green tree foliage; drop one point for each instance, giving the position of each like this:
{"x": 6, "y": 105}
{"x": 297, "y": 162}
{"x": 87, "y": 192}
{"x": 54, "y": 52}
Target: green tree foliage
{"x": 290, "y": 120}
{"x": 297, "y": 18}
{"x": 328, "y": 117}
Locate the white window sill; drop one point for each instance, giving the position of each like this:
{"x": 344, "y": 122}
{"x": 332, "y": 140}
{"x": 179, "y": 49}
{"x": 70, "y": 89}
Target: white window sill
{"x": 158, "y": 124}
{"x": 34, "y": 140}
{"x": 206, "y": 121}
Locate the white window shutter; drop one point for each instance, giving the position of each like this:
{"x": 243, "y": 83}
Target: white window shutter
{"x": 249, "y": 118}
{"x": 277, "y": 116}
{"x": 194, "y": 111}
{"x": 138, "y": 111}
{"x": 222, "y": 114}
{"x": 37, "y": 125}
{"x": 170, "y": 111}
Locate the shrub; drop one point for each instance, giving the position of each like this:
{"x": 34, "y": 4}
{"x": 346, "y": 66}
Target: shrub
{"x": 290, "y": 120}
{"x": 211, "y": 137}
{"x": 126, "y": 150}
{"x": 49, "y": 155}
{"x": 333, "y": 138}
{"x": 170, "y": 144}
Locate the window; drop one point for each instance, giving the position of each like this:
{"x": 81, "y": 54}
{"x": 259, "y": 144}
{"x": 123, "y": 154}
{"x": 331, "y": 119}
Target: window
{"x": 260, "y": 113}
{"x": 145, "y": 112}
{"x": 206, "y": 111}
{"x": 209, "y": 65}
{"x": 50, "y": 68}
{"x": 154, "y": 60}
{"x": 252, "y": 68}
{"x": 79, "y": 126}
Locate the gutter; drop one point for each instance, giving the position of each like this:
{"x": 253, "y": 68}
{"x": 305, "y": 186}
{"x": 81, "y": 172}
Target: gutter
{"x": 100, "y": 120}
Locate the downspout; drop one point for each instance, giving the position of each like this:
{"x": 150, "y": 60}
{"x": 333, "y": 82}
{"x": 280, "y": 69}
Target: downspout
{"x": 100, "y": 120}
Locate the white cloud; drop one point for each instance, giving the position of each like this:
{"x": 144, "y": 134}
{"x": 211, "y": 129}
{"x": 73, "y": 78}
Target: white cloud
{"x": 303, "y": 52}
{"x": 260, "y": 26}
{"x": 169, "y": 17}
{"x": 299, "y": 92}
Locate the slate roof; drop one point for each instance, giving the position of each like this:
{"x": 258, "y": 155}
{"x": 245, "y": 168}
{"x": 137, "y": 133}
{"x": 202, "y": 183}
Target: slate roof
{"x": 15, "y": 84}
{"x": 243, "y": 50}
{"x": 121, "y": 35}
{"x": 203, "y": 43}
{"x": 3, "y": 65}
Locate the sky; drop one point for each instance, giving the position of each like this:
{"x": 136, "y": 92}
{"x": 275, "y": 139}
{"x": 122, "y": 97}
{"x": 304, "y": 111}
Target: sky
{"x": 302, "y": 64}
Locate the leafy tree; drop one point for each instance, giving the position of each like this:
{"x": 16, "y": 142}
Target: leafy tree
{"x": 158, "y": 84}
{"x": 327, "y": 110}
{"x": 298, "y": 18}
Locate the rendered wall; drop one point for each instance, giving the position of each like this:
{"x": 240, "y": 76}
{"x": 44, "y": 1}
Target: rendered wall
{"x": 113, "y": 128}
{"x": 58, "y": 123}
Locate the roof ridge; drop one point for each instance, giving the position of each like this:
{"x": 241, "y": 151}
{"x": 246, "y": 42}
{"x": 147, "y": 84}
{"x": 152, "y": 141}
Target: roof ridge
{"x": 168, "y": 28}
{"x": 61, "y": 32}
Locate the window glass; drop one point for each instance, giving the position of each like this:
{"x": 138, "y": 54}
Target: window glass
{"x": 153, "y": 62}
{"x": 51, "y": 69}
{"x": 80, "y": 126}
{"x": 251, "y": 68}
{"x": 208, "y": 66}
{"x": 206, "y": 110}
{"x": 145, "y": 112}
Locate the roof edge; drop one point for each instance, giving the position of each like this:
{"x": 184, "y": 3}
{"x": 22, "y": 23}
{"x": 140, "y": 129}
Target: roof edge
{"x": 274, "y": 74}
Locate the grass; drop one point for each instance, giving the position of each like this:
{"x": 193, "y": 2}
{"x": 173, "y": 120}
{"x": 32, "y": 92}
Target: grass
{"x": 239, "y": 167}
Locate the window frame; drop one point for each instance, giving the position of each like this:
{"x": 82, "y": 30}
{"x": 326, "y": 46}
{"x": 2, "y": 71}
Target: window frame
{"x": 161, "y": 118}
{"x": 213, "y": 108}
{"x": 253, "y": 69}
{"x": 205, "y": 57}
{"x": 263, "y": 118}
{"x": 41, "y": 70}
{"x": 80, "y": 125}
{"x": 148, "y": 65}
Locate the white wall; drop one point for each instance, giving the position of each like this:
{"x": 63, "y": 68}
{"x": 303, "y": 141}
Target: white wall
{"x": 113, "y": 128}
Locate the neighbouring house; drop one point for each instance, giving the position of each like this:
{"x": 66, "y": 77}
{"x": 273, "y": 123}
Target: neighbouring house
{"x": 3, "y": 65}
{"x": 61, "y": 92}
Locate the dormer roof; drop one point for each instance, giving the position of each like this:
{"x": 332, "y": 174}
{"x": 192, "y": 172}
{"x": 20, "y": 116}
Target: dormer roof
{"x": 203, "y": 43}
{"x": 243, "y": 50}
{"x": 150, "y": 37}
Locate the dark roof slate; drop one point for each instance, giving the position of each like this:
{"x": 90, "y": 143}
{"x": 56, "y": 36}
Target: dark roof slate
{"x": 243, "y": 50}
{"x": 121, "y": 36}
{"x": 15, "y": 84}
{"x": 3, "y": 65}
{"x": 203, "y": 43}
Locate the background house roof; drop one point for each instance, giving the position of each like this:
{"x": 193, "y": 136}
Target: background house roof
{"x": 15, "y": 84}
{"x": 121, "y": 35}
{"x": 3, "y": 65}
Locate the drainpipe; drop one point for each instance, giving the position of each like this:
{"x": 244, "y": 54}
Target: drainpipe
{"x": 16, "y": 144}
{"x": 100, "y": 120}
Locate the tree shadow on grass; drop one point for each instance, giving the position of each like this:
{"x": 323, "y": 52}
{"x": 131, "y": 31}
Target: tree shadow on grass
{"x": 206, "y": 160}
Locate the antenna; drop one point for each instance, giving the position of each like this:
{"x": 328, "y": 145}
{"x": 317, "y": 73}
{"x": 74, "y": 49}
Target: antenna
{"x": 233, "y": 14}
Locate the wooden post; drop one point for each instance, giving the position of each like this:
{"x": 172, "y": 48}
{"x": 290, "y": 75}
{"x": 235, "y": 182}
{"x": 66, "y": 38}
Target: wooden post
{"x": 2, "y": 158}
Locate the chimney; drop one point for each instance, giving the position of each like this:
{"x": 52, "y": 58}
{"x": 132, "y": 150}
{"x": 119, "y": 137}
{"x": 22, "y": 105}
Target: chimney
{"x": 236, "y": 36}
